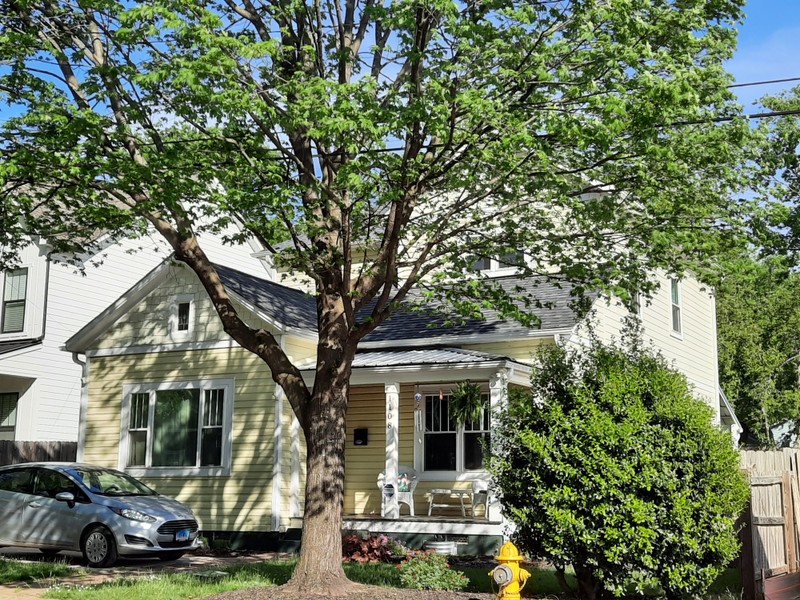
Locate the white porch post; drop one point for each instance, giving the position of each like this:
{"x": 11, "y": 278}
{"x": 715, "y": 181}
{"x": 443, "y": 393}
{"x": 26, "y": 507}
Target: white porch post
{"x": 498, "y": 401}
{"x": 390, "y": 507}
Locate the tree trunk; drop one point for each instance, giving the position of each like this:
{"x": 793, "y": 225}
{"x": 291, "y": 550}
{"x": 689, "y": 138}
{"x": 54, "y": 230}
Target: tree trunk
{"x": 319, "y": 570}
{"x": 589, "y": 587}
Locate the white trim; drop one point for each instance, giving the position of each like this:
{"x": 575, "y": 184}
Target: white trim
{"x": 177, "y": 347}
{"x": 459, "y": 474}
{"x": 421, "y": 527}
{"x": 461, "y": 340}
{"x": 294, "y": 484}
{"x": 176, "y": 334}
{"x": 227, "y": 426}
{"x": 391, "y": 392}
{"x": 277, "y": 454}
{"x": 30, "y": 316}
{"x": 434, "y": 374}
{"x": 678, "y": 334}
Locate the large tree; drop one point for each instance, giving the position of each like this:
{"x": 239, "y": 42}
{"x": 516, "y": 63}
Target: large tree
{"x": 377, "y": 148}
{"x": 758, "y": 317}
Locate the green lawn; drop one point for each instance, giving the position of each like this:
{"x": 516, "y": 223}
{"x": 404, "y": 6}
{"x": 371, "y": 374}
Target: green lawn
{"x": 13, "y": 570}
{"x": 175, "y": 586}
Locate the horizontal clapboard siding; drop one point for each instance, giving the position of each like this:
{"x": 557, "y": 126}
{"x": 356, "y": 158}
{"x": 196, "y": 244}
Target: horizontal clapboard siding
{"x": 239, "y": 502}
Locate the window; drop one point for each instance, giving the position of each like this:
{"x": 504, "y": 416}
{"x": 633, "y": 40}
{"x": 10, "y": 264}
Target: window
{"x": 8, "y": 415}
{"x": 179, "y": 427}
{"x": 506, "y": 263}
{"x": 675, "y": 292}
{"x": 448, "y": 446}
{"x": 14, "y": 290}
{"x": 181, "y": 316}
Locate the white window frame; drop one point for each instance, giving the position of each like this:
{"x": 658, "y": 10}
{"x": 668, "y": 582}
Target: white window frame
{"x": 496, "y": 267}
{"x": 676, "y": 310}
{"x": 4, "y": 429}
{"x": 228, "y": 385}
{"x": 460, "y": 472}
{"x": 25, "y": 301}
{"x": 176, "y": 301}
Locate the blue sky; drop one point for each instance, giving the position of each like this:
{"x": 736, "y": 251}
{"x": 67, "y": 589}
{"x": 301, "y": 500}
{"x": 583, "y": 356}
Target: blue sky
{"x": 769, "y": 48}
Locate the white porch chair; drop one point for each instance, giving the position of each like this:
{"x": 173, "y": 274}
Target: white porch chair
{"x": 404, "y": 485}
{"x": 480, "y": 495}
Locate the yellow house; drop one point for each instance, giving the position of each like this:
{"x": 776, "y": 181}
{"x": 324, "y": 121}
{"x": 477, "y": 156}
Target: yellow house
{"x": 168, "y": 397}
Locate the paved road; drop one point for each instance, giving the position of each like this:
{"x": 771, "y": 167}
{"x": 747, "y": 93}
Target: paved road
{"x": 124, "y": 568}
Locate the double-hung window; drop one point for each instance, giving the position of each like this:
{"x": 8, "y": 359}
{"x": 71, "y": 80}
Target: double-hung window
{"x": 675, "y": 297}
{"x": 450, "y": 446}
{"x": 8, "y": 415}
{"x": 180, "y": 427}
{"x": 15, "y": 286}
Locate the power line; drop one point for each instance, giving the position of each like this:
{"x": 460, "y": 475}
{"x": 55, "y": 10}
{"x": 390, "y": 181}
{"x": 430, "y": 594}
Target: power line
{"x": 751, "y": 83}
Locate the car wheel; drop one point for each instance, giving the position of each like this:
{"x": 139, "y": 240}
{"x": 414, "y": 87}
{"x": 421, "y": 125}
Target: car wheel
{"x": 49, "y": 552}
{"x": 98, "y": 547}
{"x": 170, "y": 555}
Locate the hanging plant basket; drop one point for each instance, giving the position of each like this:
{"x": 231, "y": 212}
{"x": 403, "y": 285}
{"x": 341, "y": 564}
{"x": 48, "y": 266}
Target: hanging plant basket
{"x": 466, "y": 402}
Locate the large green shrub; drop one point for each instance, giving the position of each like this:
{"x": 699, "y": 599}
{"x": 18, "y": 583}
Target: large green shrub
{"x": 609, "y": 464}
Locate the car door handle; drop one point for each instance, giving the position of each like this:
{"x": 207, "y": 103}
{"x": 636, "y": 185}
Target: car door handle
{"x": 35, "y": 504}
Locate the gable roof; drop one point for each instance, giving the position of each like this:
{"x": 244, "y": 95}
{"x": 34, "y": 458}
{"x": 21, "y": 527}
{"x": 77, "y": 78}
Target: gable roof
{"x": 555, "y": 314}
{"x": 292, "y": 309}
{"x": 288, "y": 306}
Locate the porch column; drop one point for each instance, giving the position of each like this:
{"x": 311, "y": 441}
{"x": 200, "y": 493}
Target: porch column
{"x": 498, "y": 401}
{"x": 389, "y": 507}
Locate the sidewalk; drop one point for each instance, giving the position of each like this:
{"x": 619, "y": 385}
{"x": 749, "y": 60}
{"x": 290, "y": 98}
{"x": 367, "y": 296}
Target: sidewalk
{"x": 123, "y": 568}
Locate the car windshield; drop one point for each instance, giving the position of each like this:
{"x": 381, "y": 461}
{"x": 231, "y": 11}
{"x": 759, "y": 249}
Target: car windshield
{"x": 108, "y": 482}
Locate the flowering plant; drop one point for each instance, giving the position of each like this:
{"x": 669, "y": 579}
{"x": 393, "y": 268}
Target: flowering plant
{"x": 429, "y": 570}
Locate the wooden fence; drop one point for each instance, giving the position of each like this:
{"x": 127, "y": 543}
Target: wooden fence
{"x": 770, "y": 537}
{"x": 19, "y": 452}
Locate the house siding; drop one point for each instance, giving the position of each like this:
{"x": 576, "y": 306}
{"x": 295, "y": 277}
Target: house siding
{"x": 694, "y": 351}
{"x": 239, "y": 502}
{"x": 363, "y": 464}
{"x": 522, "y": 351}
{"x": 47, "y": 378}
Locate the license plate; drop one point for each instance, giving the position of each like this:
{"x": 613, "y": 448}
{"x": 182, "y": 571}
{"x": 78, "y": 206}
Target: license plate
{"x": 182, "y": 535}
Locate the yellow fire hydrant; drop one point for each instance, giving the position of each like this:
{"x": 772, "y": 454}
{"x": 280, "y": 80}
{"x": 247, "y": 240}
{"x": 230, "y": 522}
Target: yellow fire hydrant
{"x": 509, "y": 575}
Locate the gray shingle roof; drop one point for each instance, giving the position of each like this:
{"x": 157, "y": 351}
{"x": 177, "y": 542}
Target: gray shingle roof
{"x": 555, "y": 314}
{"x": 296, "y": 309}
{"x": 286, "y": 305}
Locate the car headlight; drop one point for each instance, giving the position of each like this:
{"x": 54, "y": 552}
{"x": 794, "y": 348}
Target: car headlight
{"x": 132, "y": 514}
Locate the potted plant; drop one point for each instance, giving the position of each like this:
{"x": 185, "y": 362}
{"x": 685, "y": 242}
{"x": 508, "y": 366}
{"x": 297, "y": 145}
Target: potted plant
{"x": 466, "y": 402}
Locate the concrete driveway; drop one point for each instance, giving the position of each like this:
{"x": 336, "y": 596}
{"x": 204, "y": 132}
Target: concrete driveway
{"x": 125, "y": 567}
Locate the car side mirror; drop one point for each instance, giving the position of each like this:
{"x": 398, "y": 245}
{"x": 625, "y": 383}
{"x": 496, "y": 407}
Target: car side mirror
{"x": 67, "y": 497}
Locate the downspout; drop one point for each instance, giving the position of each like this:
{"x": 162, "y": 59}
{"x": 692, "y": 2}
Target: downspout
{"x": 84, "y": 403}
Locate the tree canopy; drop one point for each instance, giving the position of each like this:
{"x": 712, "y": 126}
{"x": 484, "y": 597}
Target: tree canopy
{"x": 759, "y": 349}
{"x": 378, "y": 148}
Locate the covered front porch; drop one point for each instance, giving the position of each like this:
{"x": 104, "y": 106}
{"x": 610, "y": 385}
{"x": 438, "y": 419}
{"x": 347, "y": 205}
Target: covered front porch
{"x": 411, "y": 469}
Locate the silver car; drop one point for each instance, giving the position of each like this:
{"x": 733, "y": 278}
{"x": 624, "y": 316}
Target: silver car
{"x": 101, "y": 512}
